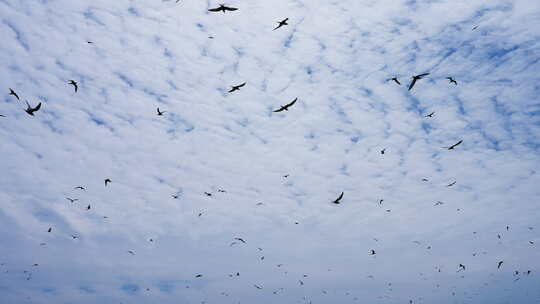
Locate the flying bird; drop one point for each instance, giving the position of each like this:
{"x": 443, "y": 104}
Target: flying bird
{"x": 454, "y": 145}
{"x": 11, "y": 92}
{"x": 500, "y": 264}
{"x": 222, "y": 8}
{"x": 31, "y": 110}
{"x": 286, "y": 107}
{"x": 175, "y": 196}
{"x": 430, "y": 115}
{"x": 207, "y": 193}
{"x": 159, "y": 113}
{"x": 74, "y": 236}
{"x": 131, "y": 252}
{"x": 394, "y": 79}
{"x": 372, "y": 252}
{"x": 337, "y": 200}
{"x": 74, "y": 84}
{"x": 451, "y": 184}
{"x": 461, "y": 267}
{"x": 282, "y": 23}
{"x": 236, "y": 87}
{"x": 88, "y": 207}
{"x": 80, "y": 188}
{"x": 241, "y": 240}
{"x": 50, "y": 229}
{"x": 383, "y": 150}
{"x": 452, "y": 80}
{"x": 416, "y": 78}
{"x": 257, "y": 286}
{"x": 72, "y": 200}
{"x": 107, "y": 181}
{"x": 438, "y": 203}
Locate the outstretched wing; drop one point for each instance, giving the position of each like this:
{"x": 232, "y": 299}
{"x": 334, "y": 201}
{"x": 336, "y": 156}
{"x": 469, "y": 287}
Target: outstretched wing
{"x": 217, "y": 9}
{"x": 412, "y": 84}
{"x": 422, "y": 75}
{"x": 37, "y": 107}
{"x": 241, "y": 85}
{"x": 457, "y": 144}
{"x": 230, "y": 8}
{"x": 292, "y": 102}
{"x": 279, "y": 110}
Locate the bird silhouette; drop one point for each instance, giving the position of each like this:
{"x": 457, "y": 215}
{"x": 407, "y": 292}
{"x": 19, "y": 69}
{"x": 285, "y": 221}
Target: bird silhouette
{"x": 222, "y": 8}
{"x": 74, "y": 237}
{"x": 383, "y": 150}
{"x": 236, "y": 87}
{"x": 337, "y": 200}
{"x": 31, "y": 110}
{"x": 207, "y": 193}
{"x": 88, "y": 207}
{"x": 107, "y": 181}
{"x": 257, "y": 286}
{"x": 416, "y": 78}
{"x": 286, "y": 107}
{"x": 373, "y": 252}
{"x": 454, "y": 145}
{"x": 461, "y": 267}
{"x": 50, "y": 229}
{"x": 80, "y": 188}
{"x": 175, "y": 196}
{"x": 500, "y": 264}
{"x": 11, "y": 92}
{"x": 159, "y": 113}
{"x": 131, "y": 252}
{"x": 74, "y": 84}
{"x": 452, "y": 80}
{"x": 241, "y": 240}
{"x": 282, "y": 23}
{"x": 430, "y": 115}
{"x": 438, "y": 203}
{"x": 72, "y": 200}
{"x": 394, "y": 79}
{"x": 451, "y": 184}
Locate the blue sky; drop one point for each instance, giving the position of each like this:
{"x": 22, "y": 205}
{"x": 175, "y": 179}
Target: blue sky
{"x": 335, "y": 57}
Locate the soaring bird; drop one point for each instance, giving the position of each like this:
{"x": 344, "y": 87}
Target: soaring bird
{"x": 286, "y": 107}
{"x": 131, "y": 252}
{"x": 452, "y": 80}
{"x": 451, "y": 184}
{"x": 236, "y": 87}
{"x": 241, "y": 240}
{"x": 107, "y": 181}
{"x": 207, "y": 193}
{"x": 257, "y": 286}
{"x": 222, "y": 8}
{"x": 74, "y": 237}
{"x": 373, "y": 252}
{"x": 88, "y": 207}
{"x": 2, "y": 115}
{"x": 175, "y": 196}
{"x": 80, "y": 188}
{"x": 383, "y": 150}
{"x": 11, "y": 92}
{"x": 438, "y": 203}
{"x": 416, "y": 78}
{"x": 31, "y": 110}
{"x": 337, "y": 200}
{"x": 159, "y": 113}
{"x": 282, "y": 23}
{"x": 430, "y": 115}
{"x": 461, "y": 267}
{"x": 394, "y": 79}
{"x": 454, "y": 145}
{"x": 500, "y": 264}
{"x": 72, "y": 200}
{"x": 50, "y": 229}
{"x": 74, "y": 84}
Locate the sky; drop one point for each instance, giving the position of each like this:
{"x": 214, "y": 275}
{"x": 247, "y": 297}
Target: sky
{"x": 218, "y": 166}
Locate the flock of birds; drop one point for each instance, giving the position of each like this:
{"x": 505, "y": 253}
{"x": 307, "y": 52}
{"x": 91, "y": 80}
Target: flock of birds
{"x": 31, "y": 110}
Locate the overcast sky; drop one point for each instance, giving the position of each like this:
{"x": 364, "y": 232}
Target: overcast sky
{"x": 218, "y": 166}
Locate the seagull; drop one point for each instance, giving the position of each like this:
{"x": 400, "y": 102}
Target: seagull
{"x": 256, "y": 286}
{"x": 438, "y": 203}
{"x": 50, "y": 229}
{"x": 241, "y": 240}
{"x": 416, "y": 78}
{"x": 337, "y": 200}
{"x": 107, "y": 181}
{"x": 531, "y": 242}
{"x": 286, "y": 107}
{"x": 373, "y": 252}
{"x": 383, "y": 150}
{"x": 499, "y": 265}
{"x": 72, "y": 200}
{"x": 380, "y": 202}
{"x": 131, "y": 252}
{"x": 74, "y": 236}
{"x": 88, "y": 207}
{"x": 451, "y": 184}
{"x": 222, "y": 8}
{"x": 430, "y": 115}
{"x": 31, "y": 110}
{"x": 80, "y": 188}
{"x": 394, "y": 79}
{"x": 208, "y": 194}
{"x": 475, "y": 27}
{"x": 175, "y": 196}
{"x": 452, "y": 80}
{"x": 236, "y": 87}
{"x": 461, "y": 266}
{"x": 159, "y": 113}
{"x": 425, "y": 180}
{"x": 198, "y": 276}
{"x": 286, "y": 175}
{"x": 454, "y": 145}
{"x": 74, "y": 84}
{"x": 11, "y": 92}
{"x": 282, "y": 23}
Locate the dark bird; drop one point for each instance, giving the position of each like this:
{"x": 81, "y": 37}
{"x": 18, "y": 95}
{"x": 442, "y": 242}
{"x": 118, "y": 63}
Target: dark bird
{"x": 282, "y": 23}
{"x": 50, "y": 229}
{"x": 88, "y": 207}
{"x": 35, "y": 265}
{"x": 438, "y": 203}
{"x": 89, "y": 42}
{"x": 222, "y": 8}
{"x": 11, "y": 92}
{"x": 425, "y": 180}
{"x": 236, "y": 87}
{"x": 221, "y": 190}
{"x": 394, "y": 79}
{"x": 2, "y": 115}
{"x": 499, "y": 265}
{"x": 241, "y": 240}
{"x": 372, "y": 252}
{"x": 454, "y": 145}
{"x": 416, "y": 78}
{"x": 507, "y": 228}
{"x": 80, "y": 188}
{"x": 461, "y": 267}
{"x": 337, "y": 200}
{"x": 107, "y": 181}
{"x": 452, "y": 80}
{"x": 286, "y": 107}
{"x": 74, "y": 84}
{"x": 159, "y": 113}
{"x": 286, "y": 175}
{"x": 383, "y": 150}
{"x": 175, "y": 196}
{"x": 200, "y": 214}
{"x": 430, "y": 115}
{"x": 301, "y": 283}
{"x": 31, "y": 110}
{"x": 208, "y": 194}
{"x": 531, "y": 242}
{"x": 74, "y": 236}
{"x": 451, "y": 184}
{"x": 131, "y": 252}
{"x": 475, "y": 27}
{"x": 72, "y": 200}
{"x": 256, "y": 286}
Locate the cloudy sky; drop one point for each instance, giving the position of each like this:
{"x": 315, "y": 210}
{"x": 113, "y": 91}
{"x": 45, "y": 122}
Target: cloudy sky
{"x": 236, "y": 169}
